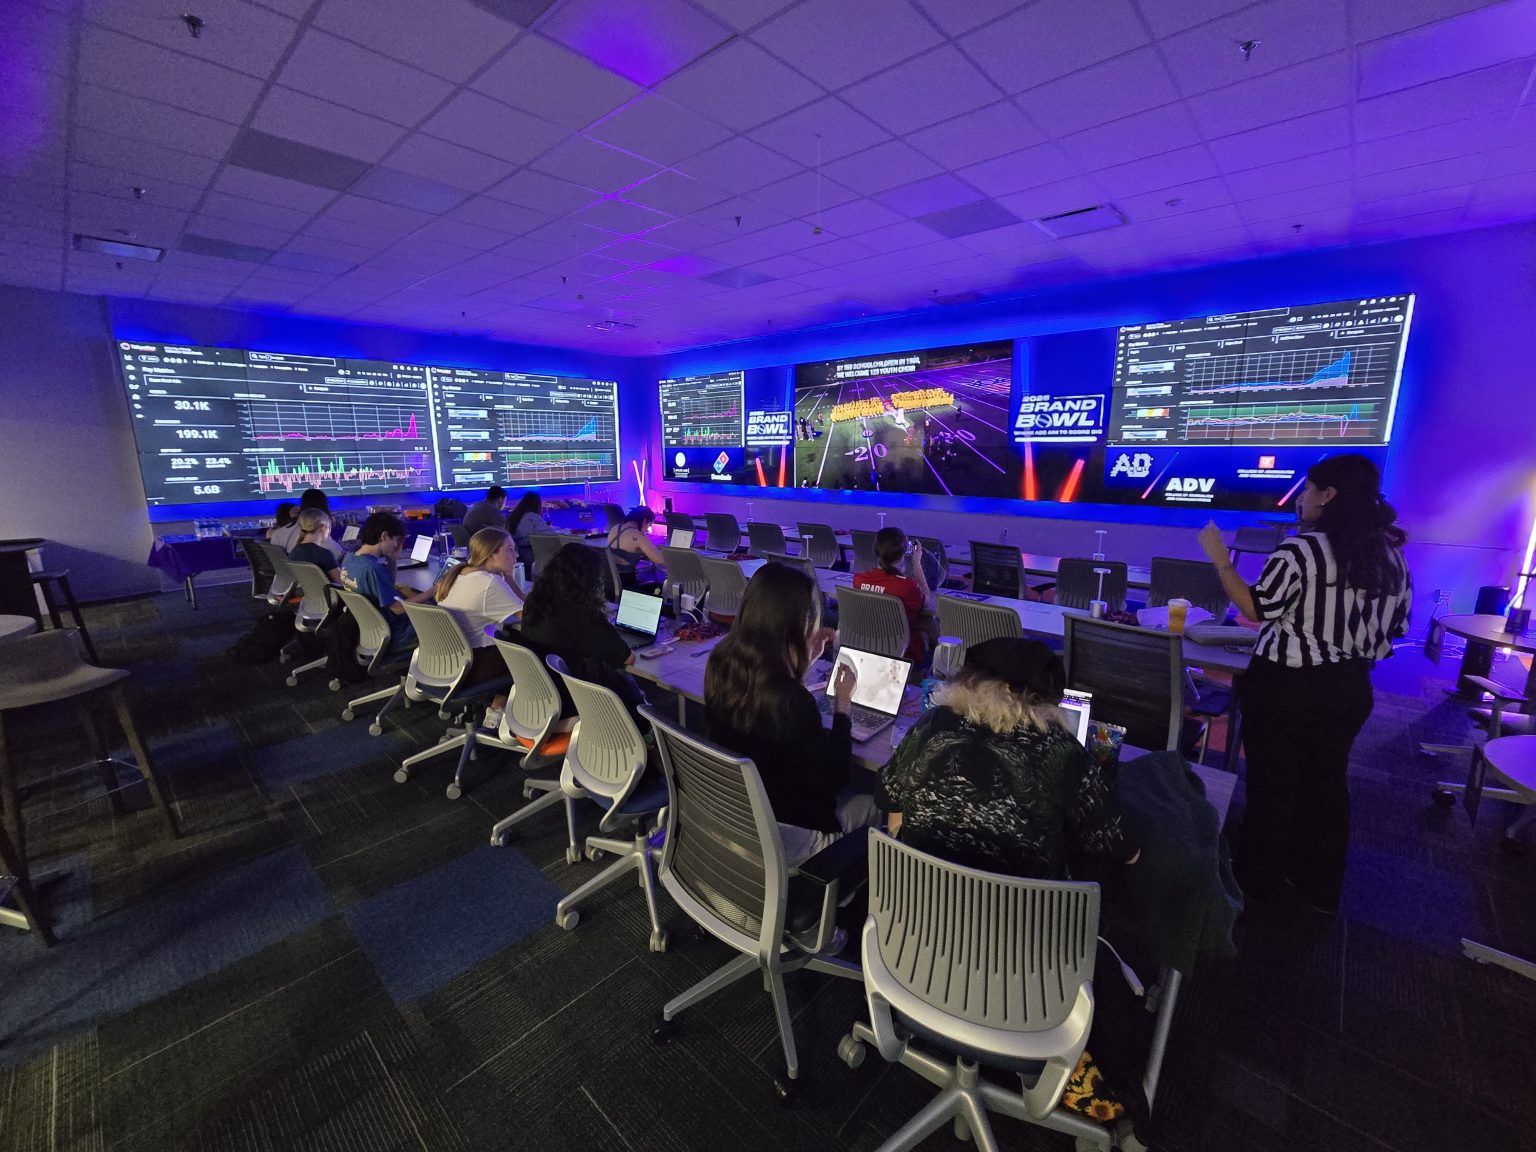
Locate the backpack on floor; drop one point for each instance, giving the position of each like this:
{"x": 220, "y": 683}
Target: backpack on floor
{"x": 340, "y": 636}
{"x": 264, "y": 642}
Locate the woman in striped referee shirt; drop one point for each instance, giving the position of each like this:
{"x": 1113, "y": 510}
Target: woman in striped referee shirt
{"x": 1330, "y": 600}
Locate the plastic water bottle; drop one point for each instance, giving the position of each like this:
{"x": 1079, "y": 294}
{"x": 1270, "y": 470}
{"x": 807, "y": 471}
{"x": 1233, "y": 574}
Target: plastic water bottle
{"x": 948, "y": 655}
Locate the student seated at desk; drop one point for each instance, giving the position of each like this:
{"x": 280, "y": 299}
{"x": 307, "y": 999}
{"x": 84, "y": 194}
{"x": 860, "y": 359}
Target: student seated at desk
{"x": 527, "y": 519}
{"x": 487, "y": 513}
{"x": 566, "y": 615}
{"x": 315, "y": 545}
{"x": 480, "y": 592}
{"x": 630, "y": 546}
{"x": 756, "y": 704}
{"x": 891, "y": 549}
{"x": 283, "y": 515}
{"x": 370, "y": 571}
{"x": 287, "y": 535}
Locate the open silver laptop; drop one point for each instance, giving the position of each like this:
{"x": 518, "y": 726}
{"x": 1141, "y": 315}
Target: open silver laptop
{"x": 680, "y": 538}
{"x": 876, "y": 695}
{"x": 1077, "y": 707}
{"x": 639, "y": 618}
{"x": 351, "y": 533}
{"x": 421, "y": 552}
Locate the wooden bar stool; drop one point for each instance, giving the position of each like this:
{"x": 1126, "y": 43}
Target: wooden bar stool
{"x": 57, "y": 580}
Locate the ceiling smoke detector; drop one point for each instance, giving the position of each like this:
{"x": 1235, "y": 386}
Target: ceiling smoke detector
{"x": 610, "y": 325}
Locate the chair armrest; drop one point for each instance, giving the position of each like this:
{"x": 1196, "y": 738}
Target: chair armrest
{"x": 820, "y": 887}
{"x": 846, "y": 859}
{"x": 1500, "y": 692}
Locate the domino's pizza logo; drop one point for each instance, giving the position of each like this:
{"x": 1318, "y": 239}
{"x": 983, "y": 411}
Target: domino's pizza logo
{"x": 720, "y": 462}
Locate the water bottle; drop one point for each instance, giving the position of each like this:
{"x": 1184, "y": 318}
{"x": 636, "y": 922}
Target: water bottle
{"x": 948, "y": 656}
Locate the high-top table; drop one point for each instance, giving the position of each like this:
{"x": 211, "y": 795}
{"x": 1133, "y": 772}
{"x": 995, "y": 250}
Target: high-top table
{"x": 1482, "y": 631}
{"x": 1512, "y": 759}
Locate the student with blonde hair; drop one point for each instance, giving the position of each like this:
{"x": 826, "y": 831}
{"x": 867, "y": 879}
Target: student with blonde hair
{"x": 481, "y": 592}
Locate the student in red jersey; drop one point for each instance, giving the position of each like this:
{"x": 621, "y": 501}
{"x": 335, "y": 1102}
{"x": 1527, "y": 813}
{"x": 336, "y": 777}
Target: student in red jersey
{"x": 891, "y": 548}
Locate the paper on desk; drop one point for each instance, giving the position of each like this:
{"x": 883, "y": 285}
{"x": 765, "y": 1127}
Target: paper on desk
{"x": 1158, "y": 617}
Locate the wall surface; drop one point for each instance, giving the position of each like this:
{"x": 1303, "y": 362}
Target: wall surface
{"x": 1462, "y": 464}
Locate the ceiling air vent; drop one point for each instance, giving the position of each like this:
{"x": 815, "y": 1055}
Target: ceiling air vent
{"x": 610, "y": 326}
{"x": 117, "y": 249}
{"x": 957, "y": 298}
{"x": 1079, "y": 221}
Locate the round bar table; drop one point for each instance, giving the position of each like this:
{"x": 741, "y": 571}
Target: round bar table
{"x": 1488, "y": 632}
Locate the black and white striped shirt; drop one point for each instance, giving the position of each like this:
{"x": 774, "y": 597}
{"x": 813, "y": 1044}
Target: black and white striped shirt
{"x": 1309, "y": 617}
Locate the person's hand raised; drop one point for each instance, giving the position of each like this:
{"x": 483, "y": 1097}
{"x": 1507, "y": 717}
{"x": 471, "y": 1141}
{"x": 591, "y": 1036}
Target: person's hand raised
{"x": 843, "y": 683}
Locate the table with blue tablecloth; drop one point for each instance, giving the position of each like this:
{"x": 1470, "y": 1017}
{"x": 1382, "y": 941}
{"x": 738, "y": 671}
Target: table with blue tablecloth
{"x": 185, "y": 558}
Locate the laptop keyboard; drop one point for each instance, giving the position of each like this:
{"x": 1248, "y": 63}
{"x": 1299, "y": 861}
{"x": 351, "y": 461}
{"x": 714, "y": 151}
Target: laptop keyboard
{"x": 861, "y": 716}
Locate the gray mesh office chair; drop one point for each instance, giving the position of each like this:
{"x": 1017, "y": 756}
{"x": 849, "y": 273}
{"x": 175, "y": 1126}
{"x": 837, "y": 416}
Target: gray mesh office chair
{"x": 313, "y": 611}
{"x": 611, "y": 513}
{"x": 965, "y": 969}
{"x": 261, "y": 566}
{"x": 532, "y": 723}
{"x": 438, "y": 668}
{"x": 934, "y": 547}
{"x": 1077, "y": 584}
{"x": 613, "y": 579}
{"x": 863, "y": 550}
{"x": 723, "y": 864}
{"x": 283, "y": 579}
{"x": 460, "y": 535}
{"x": 685, "y": 574}
{"x": 727, "y": 585}
{"x": 1194, "y": 580}
{"x": 872, "y": 622}
{"x": 676, "y": 520}
{"x": 762, "y": 537}
{"x": 997, "y": 570}
{"x": 973, "y": 622}
{"x": 376, "y": 656}
{"x": 803, "y": 563}
{"x": 1257, "y": 540}
{"x": 723, "y": 533}
{"x": 545, "y": 545}
{"x": 606, "y": 764}
{"x": 1136, "y": 676}
{"x": 819, "y": 542}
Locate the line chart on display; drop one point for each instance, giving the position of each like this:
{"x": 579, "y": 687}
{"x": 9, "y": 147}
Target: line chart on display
{"x": 1322, "y": 420}
{"x": 544, "y": 425}
{"x": 1290, "y": 370}
{"x": 329, "y": 421}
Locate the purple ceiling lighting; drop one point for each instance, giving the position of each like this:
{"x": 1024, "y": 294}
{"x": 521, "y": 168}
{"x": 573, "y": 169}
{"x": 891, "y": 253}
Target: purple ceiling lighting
{"x": 708, "y": 164}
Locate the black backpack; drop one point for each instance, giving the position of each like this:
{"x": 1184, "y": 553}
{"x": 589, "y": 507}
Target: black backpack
{"x": 265, "y": 641}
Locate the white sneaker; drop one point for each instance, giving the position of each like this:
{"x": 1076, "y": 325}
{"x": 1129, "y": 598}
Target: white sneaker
{"x": 492, "y": 719}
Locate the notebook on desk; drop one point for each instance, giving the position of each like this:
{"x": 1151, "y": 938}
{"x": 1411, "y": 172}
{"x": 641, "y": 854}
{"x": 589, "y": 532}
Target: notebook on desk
{"x": 876, "y": 694}
{"x": 421, "y": 552}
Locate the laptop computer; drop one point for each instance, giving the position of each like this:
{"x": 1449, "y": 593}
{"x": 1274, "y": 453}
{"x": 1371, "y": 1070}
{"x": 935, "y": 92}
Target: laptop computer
{"x": 351, "y": 533}
{"x": 1077, "y": 707}
{"x": 421, "y": 552}
{"x": 680, "y": 538}
{"x": 876, "y": 696}
{"x": 639, "y": 618}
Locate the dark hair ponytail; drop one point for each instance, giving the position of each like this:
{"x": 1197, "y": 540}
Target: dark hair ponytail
{"x": 1360, "y": 523}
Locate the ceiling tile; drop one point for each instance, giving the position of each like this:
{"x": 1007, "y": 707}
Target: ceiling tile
{"x": 968, "y": 219}
{"x": 433, "y": 159}
{"x": 237, "y": 35}
{"x": 1437, "y": 143}
{"x": 478, "y": 122}
{"x": 239, "y": 232}
{"x": 806, "y": 194}
{"x": 981, "y": 135}
{"x": 1320, "y": 132}
{"x": 1190, "y": 197}
{"x": 1101, "y": 93}
{"x": 739, "y": 165}
{"x": 958, "y": 18}
{"x": 1155, "y": 172}
{"x": 547, "y": 194}
{"x": 1288, "y": 31}
{"x": 1443, "y": 101}
{"x": 820, "y": 133}
{"x": 1476, "y": 40}
{"x": 449, "y": 38}
{"x": 1297, "y": 204}
{"x": 644, "y": 40}
{"x": 509, "y": 219}
{"x": 1049, "y": 199}
{"x": 1078, "y": 33}
{"x": 1371, "y": 20}
{"x": 594, "y": 165}
{"x": 127, "y": 65}
{"x": 1420, "y": 178}
{"x": 113, "y": 182}
{"x": 1300, "y": 90}
{"x": 657, "y": 129}
{"x": 740, "y": 85}
{"x": 295, "y": 116}
{"x": 408, "y": 191}
{"x": 674, "y": 193}
{"x": 621, "y": 217}
{"x": 554, "y": 83}
{"x": 856, "y": 217}
{"x": 1161, "y": 130}
{"x": 253, "y": 185}
{"x": 129, "y": 116}
{"x": 293, "y": 160}
{"x": 391, "y": 220}
{"x": 743, "y": 14}
{"x": 1299, "y": 172}
{"x": 347, "y": 74}
{"x": 950, "y": 85}
{"x": 1027, "y": 168}
{"x": 1166, "y": 19}
{"x": 140, "y": 157}
{"x": 931, "y": 195}
{"x": 226, "y": 207}
{"x": 638, "y": 252}
{"x": 1438, "y": 200}
{"x": 881, "y": 167}
{"x": 837, "y": 42}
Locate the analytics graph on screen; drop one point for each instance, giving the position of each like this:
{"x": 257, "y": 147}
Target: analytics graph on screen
{"x": 702, "y": 426}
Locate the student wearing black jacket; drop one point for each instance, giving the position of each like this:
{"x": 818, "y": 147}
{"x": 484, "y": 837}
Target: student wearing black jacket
{"x": 756, "y": 704}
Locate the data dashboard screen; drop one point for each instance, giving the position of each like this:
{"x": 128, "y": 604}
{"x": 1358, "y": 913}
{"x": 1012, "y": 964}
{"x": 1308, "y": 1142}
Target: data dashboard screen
{"x": 703, "y": 430}
{"x": 219, "y": 424}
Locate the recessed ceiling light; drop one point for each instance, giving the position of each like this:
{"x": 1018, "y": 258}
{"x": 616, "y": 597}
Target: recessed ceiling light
{"x": 117, "y": 249}
{"x": 610, "y": 325}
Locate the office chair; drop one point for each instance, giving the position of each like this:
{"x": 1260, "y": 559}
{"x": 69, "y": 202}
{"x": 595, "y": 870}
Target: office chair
{"x": 965, "y": 970}
{"x": 819, "y": 542}
{"x": 283, "y": 579}
{"x": 685, "y": 575}
{"x": 532, "y": 723}
{"x": 723, "y": 863}
{"x": 1194, "y": 580}
{"x": 974, "y": 623}
{"x": 727, "y": 585}
{"x": 763, "y": 537}
{"x": 612, "y": 514}
{"x": 873, "y": 622}
{"x": 722, "y": 533}
{"x": 1077, "y": 583}
{"x": 934, "y": 547}
{"x": 997, "y": 570}
{"x": 675, "y": 520}
{"x": 438, "y": 668}
{"x": 261, "y": 566}
{"x": 863, "y": 550}
{"x": 375, "y": 654}
{"x": 544, "y": 546}
{"x": 1257, "y": 540}
{"x": 311, "y": 615}
{"x": 605, "y": 763}
{"x": 802, "y": 563}
{"x": 1136, "y": 676}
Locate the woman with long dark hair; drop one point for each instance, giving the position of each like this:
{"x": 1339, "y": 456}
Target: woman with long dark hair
{"x": 756, "y": 704}
{"x": 630, "y": 546}
{"x": 526, "y": 519}
{"x": 1330, "y": 600}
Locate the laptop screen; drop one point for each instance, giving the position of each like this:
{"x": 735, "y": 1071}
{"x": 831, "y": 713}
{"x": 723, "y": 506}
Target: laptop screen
{"x": 882, "y": 679}
{"x": 680, "y": 538}
{"x": 639, "y": 612}
{"x": 352, "y": 533}
{"x": 421, "y": 549}
{"x": 1076, "y": 706}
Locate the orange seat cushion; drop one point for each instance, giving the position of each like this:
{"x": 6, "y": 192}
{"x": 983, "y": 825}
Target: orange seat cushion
{"x": 556, "y": 745}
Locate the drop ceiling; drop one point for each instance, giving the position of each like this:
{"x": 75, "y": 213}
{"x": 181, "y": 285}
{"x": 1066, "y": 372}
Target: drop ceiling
{"x": 706, "y": 170}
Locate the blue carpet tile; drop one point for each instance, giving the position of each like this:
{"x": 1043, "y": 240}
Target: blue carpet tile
{"x": 313, "y": 754}
{"x": 440, "y": 924}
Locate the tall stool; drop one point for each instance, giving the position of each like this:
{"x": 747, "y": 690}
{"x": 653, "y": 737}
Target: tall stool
{"x": 20, "y": 587}
{"x": 46, "y": 667}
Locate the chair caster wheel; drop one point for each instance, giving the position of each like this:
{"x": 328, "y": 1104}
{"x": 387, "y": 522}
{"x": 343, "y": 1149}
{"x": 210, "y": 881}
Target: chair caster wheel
{"x": 528, "y": 793}
{"x": 401, "y": 775}
{"x": 375, "y": 729}
{"x": 573, "y": 855}
{"x": 292, "y": 681}
{"x": 785, "y": 1089}
{"x": 594, "y": 854}
{"x": 658, "y": 941}
{"x": 1442, "y": 798}
{"x": 663, "y": 1031}
{"x": 498, "y": 839}
{"x": 348, "y": 714}
{"x": 334, "y": 685}
{"x": 454, "y": 792}
{"x": 850, "y": 1051}
{"x": 568, "y": 920}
